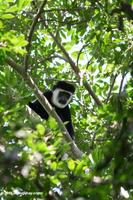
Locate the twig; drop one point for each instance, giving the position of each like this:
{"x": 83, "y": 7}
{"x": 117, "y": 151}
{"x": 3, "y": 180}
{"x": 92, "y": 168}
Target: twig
{"x": 70, "y": 22}
{"x": 53, "y": 56}
{"x": 29, "y": 39}
{"x": 66, "y": 10}
{"x": 85, "y": 45}
{"x": 111, "y": 88}
{"x": 121, "y": 84}
{"x": 89, "y": 61}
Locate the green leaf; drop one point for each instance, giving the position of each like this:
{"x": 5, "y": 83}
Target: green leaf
{"x": 71, "y": 164}
{"x": 79, "y": 168}
{"x": 54, "y": 180}
{"x": 7, "y": 16}
{"x": 12, "y": 9}
{"x": 53, "y": 165}
{"x": 23, "y": 3}
{"x": 52, "y": 123}
{"x": 40, "y": 128}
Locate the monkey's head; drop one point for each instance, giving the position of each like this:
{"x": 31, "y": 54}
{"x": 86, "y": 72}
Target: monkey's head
{"x": 62, "y": 94}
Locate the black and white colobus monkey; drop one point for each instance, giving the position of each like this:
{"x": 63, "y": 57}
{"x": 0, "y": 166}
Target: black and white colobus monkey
{"x": 59, "y": 98}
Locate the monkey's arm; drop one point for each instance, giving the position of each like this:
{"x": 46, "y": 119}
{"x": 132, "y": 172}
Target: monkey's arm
{"x": 66, "y": 117}
{"x": 38, "y": 108}
{"x": 70, "y": 129}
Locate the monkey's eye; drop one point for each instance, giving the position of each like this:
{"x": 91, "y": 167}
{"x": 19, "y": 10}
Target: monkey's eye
{"x": 64, "y": 94}
{"x": 64, "y": 97}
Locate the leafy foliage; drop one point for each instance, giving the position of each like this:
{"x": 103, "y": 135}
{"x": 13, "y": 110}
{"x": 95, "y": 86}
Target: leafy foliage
{"x": 82, "y": 42}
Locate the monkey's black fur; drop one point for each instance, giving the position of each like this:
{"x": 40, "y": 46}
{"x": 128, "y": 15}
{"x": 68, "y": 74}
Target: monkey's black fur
{"x": 64, "y": 113}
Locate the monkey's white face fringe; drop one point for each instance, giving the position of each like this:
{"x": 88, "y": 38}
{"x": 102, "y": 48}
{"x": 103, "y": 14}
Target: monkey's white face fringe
{"x": 55, "y": 98}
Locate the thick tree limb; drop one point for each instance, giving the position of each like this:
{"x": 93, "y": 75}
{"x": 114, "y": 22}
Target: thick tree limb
{"x": 44, "y": 102}
{"x": 20, "y": 70}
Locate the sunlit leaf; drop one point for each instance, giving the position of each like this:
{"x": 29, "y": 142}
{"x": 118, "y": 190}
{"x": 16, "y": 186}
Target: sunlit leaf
{"x": 71, "y": 164}
{"x": 40, "y": 129}
{"x": 7, "y": 16}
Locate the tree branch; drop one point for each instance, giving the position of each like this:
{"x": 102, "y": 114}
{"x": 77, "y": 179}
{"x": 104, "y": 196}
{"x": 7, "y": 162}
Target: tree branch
{"x": 44, "y": 102}
{"x": 80, "y": 51}
{"x": 71, "y": 62}
{"x": 18, "y": 68}
{"x": 53, "y": 56}
{"x": 31, "y": 33}
{"x": 111, "y": 88}
{"x": 75, "y": 68}
{"x": 121, "y": 84}
{"x": 92, "y": 93}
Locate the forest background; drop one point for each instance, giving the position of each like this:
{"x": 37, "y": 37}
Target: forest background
{"x": 90, "y": 44}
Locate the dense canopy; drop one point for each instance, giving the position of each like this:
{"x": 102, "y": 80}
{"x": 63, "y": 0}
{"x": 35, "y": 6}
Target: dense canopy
{"x": 89, "y": 44}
